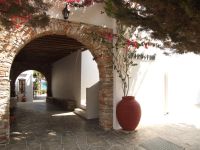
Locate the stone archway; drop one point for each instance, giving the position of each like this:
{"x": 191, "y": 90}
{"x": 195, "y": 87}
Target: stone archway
{"x": 11, "y": 42}
{"x": 18, "y": 68}
{"x": 15, "y": 73}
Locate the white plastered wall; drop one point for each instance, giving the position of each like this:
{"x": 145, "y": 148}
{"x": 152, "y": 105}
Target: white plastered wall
{"x": 91, "y": 15}
{"x": 168, "y": 84}
{"x": 89, "y": 74}
{"x": 66, "y": 77}
{"x": 89, "y": 85}
{"x": 72, "y": 75}
{"x": 27, "y": 75}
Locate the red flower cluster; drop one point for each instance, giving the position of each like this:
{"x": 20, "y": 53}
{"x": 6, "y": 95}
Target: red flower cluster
{"x": 18, "y": 21}
{"x": 133, "y": 43}
{"x": 109, "y": 37}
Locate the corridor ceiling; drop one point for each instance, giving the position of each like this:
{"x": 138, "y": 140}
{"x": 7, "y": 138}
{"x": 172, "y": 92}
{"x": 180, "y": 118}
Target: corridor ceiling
{"x": 48, "y": 49}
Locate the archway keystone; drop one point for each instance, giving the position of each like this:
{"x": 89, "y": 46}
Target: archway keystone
{"x": 11, "y": 42}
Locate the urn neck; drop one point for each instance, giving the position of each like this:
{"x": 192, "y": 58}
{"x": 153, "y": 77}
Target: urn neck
{"x": 128, "y": 98}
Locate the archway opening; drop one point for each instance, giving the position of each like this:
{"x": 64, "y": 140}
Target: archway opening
{"x": 70, "y": 70}
{"x": 30, "y": 86}
{"x": 22, "y": 37}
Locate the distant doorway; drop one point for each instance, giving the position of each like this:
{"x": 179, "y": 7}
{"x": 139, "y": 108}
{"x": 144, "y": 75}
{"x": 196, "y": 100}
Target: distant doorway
{"x": 30, "y": 85}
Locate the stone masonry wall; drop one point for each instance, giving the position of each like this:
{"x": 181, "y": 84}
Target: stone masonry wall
{"x": 11, "y": 42}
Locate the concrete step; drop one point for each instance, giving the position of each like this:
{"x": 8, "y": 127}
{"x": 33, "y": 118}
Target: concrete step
{"x": 80, "y": 112}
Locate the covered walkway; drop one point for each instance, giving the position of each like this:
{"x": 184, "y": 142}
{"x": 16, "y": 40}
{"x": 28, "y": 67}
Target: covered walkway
{"x": 41, "y": 126}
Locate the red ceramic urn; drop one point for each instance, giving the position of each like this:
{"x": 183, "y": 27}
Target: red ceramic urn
{"x": 128, "y": 113}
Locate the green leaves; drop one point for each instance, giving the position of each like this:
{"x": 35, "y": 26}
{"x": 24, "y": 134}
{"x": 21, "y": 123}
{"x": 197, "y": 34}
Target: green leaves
{"x": 175, "y": 19}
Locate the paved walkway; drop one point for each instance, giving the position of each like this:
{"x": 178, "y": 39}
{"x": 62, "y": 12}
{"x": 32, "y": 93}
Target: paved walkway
{"x": 45, "y": 127}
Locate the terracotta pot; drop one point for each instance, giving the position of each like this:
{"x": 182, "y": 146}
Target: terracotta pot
{"x": 128, "y": 113}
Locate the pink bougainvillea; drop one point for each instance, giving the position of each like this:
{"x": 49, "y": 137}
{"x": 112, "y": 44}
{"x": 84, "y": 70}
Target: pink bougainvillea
{"x": 18, "y": 21}
{"x": 15, "y": 13}
{"x": 109, "y": 37}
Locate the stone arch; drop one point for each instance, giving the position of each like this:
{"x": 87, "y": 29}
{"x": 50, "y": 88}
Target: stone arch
{"x": 11, "y": 42}
{"x": 17, "y": 70}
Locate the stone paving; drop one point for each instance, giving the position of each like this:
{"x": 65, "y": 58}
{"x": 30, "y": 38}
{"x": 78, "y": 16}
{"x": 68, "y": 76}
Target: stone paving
{"x": 44, "y": 127}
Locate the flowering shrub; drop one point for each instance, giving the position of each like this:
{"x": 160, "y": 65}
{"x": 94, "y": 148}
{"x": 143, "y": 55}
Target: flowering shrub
{"x": 19, "y": 12}
{"x": 125, "y": 47}
{"x": 124, "y": 53}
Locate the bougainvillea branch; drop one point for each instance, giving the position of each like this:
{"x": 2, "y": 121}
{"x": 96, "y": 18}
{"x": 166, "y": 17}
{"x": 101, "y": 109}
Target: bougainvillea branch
{"x": 124, "y": 52}
{"x": 18, "y": 12}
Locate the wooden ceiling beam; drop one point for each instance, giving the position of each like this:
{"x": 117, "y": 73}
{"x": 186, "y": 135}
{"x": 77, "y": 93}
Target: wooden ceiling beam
{"x": 48, "y": 49}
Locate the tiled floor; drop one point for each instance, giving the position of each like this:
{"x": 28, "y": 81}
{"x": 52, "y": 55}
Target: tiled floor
{"x": 44, "y": 127}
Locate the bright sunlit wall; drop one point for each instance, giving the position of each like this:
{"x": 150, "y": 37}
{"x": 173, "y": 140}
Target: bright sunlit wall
{"x": 168, "y": 84}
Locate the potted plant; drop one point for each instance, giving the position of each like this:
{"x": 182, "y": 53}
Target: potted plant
{"x": 127, "y": 43}
{"x": 128, "y": 110}
{"x": 124, "y": 47}
{"x": 124, "y": 53}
